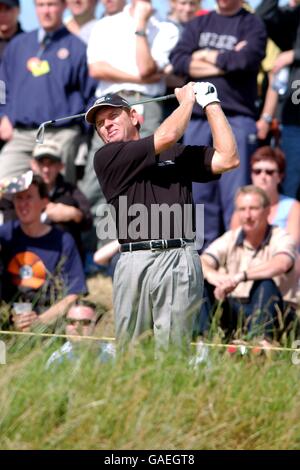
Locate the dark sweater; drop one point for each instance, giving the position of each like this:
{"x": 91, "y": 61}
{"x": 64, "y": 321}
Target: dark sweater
{"x": 237, "y": 88}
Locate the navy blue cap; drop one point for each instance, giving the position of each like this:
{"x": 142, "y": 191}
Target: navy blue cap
{"x": 108, "y": 100}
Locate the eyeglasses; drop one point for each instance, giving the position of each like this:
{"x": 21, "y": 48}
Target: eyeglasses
{"x": 258, "y": 171}
{"x": 82, "y": 322}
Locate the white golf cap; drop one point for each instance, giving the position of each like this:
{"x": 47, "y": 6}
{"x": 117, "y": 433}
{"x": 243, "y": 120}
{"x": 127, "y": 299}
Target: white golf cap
{"x": 49, "y": 149}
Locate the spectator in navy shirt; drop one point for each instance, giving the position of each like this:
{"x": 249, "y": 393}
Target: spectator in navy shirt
{"x": 225, "y": 46}
{"x": 46, "y": 78}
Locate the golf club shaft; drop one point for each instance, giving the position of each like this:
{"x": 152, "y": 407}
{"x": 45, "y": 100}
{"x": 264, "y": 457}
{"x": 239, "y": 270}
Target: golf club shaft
{"x": 41, "y": 129}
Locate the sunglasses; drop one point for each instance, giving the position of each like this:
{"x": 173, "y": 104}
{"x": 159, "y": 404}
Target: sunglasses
{"x": 82, "y": 322}
{"x": 258, "y": 171}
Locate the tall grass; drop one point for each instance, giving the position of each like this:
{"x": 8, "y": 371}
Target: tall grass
{"x": 137, "y": 402}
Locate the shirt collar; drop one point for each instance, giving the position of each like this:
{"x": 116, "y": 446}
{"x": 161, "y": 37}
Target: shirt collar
{"x": 266, "y": 240}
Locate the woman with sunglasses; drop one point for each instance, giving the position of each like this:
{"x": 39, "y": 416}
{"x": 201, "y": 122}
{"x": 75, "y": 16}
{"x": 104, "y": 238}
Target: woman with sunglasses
{"x": 267, "y": 171}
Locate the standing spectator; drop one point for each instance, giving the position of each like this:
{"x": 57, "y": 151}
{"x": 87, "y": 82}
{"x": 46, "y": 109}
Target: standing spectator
{"x": 9, "y": 28}
{"x": 183, "y": 11}
{"x": 68, "y": 207}
{"x": 111, "y": 7}
{"x": 158, "y": 281}
{"x": 9, "y": 25}
{"x": 283, "y": 26}
{"x": 227, "y": 46}
{"x": 46, "y": 77}
{"x": 83, "y": 18}
{"x": 41, "y": 263}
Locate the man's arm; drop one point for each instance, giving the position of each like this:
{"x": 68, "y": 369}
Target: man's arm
{"x": 226, "y": 156}
{"x": 144, "y": 59}
{"x": 26, "y": 320}
{"x": 173, "y": 128}
{"x": 276, "y": 266}
{"x": 57, "y": 310}
{"x": 104, "y": 71}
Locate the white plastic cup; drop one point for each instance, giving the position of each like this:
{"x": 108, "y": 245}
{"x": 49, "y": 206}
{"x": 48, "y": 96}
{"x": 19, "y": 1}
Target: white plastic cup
{"x": 22, "y": 307}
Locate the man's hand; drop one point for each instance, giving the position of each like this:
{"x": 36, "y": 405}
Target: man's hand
{"x": 6, "y": 129}
{"x": 206, "y": 93}
{"x": 58, "y": 212}
{"x": 186, "y": 93}
{"x": 24, "y": 321}
{"x": 284, "y": 59}
{"x": 142, "y": 12}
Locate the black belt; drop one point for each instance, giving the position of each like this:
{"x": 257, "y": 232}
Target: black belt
{"x": 156, "y": 245}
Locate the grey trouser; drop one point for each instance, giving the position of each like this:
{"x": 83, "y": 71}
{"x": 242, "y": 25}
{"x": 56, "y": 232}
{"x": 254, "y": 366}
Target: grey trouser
{"x": 158, "y": 291}
{"x": 16, "y": 154}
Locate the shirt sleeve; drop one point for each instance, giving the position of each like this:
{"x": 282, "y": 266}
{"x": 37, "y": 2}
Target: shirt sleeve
{"x": 163, "y": 43}
{"x": 282, "y": 243}
{"x": 218, "y": 249}
{"x": 194, "y": 162}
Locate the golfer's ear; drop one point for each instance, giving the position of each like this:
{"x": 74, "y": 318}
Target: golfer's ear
{"x": 134, "y": 117}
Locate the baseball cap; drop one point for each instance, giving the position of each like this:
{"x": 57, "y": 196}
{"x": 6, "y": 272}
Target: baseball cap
{"x": 48, "y": 149}
{"x": 16, "y": 184}
{"x": 11, "y": 3}
{"x": 108, "y": 100}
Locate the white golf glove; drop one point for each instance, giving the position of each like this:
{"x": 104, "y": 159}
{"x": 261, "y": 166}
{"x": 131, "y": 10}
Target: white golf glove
{"x": 206, "y": 93}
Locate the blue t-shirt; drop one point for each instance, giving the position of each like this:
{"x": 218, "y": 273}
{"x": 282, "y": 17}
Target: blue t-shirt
{"x": 41, "y": 270}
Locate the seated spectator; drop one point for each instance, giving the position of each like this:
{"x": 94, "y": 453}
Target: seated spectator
{"x": 81, "y": 320}
{"x": 68, "y": 207}
{"x": 251, "y": 270}
{"x": 267, "y": 172}
{"x": 41, "y": 263}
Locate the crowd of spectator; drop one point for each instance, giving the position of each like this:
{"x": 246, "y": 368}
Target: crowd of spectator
{"x": 48, "y": 231}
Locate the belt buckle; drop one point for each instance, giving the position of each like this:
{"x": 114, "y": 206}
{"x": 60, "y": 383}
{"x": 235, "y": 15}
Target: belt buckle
{"x": 151, "y": 245}
{"x": 182, "y": 243}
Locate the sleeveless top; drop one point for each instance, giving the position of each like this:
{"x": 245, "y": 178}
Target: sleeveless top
{"x": 282, "y": 214}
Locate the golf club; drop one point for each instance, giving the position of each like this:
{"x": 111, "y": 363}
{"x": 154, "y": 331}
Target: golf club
{"x": 41, "y": 130}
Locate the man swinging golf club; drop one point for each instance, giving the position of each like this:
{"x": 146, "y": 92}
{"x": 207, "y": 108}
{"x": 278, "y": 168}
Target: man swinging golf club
{"x": 158, "y": 282}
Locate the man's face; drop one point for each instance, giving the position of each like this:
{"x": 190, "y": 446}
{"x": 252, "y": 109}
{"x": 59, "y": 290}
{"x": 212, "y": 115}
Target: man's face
{"x": 228, "y": 7}
{"x": 113, "y": 6}
{"x": 184, "y": 10}
{"x": 253, "y": 217}
{"x": 49, "y": 13}
{"x": 116, "y": 124}
{"x": 8, "y": 17}
{"x": 81, "y": 7}
{"x": 81, "y": 320}
{"x": 29, "y": 205}
{"x": 48, "y": 169}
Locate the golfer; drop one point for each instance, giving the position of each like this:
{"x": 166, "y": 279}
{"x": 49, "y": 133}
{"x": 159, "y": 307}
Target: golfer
{"x": 158, "y": 282}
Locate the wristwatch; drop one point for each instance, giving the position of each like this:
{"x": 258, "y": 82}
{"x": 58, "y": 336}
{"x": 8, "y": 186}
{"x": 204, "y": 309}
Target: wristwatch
{"x": 141, "y": 32}
{"x": 267, "y": 118}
